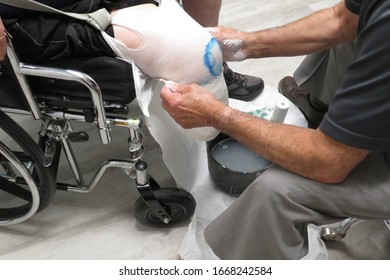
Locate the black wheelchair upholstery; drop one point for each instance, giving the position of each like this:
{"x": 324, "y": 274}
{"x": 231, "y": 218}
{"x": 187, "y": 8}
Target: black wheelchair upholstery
{"x": 8, "y": 84}
{"x": 114, "y": 77}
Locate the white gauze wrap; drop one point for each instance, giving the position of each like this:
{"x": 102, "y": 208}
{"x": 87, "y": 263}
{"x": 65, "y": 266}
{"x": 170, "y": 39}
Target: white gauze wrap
{"x": 174, "y": 48}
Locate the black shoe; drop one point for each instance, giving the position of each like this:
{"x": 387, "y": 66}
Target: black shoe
{"x": 242, "y": 87}
{"x": 302, "y": 99}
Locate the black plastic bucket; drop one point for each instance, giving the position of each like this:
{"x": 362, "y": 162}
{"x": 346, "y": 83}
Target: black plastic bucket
{"x": 229, "y": 177}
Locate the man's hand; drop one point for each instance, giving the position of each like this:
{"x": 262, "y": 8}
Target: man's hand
{"x": 192, "y": 105}
{"x": 231, "y": 41}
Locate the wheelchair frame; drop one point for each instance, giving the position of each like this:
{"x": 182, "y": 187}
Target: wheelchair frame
{"x": 156, "y": 206}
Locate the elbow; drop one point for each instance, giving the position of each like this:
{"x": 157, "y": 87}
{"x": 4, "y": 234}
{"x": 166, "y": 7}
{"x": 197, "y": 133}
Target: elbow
{"x": 335, "y": 179}
{"x": 331, "y": 175}
{"x": 346, "y": 24}
{"x": 337, "y": 169}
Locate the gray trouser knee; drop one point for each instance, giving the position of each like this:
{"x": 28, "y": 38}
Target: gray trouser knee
{"x": 321, "y": 73}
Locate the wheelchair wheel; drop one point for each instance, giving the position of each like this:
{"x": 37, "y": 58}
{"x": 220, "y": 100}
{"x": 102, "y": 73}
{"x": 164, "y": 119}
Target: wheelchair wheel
{"x": 16, "y": 197}
{"x": 177, "y": 202}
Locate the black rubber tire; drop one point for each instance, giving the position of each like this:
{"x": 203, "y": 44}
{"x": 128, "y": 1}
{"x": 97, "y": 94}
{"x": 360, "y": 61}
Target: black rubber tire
{"x": 179, "y": 204}
{"x": 43, "y": 176}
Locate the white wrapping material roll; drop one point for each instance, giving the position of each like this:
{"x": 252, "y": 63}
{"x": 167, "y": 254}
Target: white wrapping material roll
{"x": 280, "y": 111}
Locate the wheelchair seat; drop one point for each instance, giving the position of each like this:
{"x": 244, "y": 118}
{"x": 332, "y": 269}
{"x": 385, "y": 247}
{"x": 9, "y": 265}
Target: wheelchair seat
{"x": 114, "y": 77}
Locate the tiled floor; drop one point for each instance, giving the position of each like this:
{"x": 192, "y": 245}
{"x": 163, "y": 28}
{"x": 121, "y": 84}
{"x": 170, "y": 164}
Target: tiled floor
{"x": 100, "y": 225}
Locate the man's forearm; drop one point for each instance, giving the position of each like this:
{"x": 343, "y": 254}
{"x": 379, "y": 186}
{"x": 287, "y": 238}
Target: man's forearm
{"x": 304, "y": 151}
{"x": 313, "y": 33}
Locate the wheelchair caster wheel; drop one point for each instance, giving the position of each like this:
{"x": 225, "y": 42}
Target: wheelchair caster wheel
{"x": 179, "y": 203}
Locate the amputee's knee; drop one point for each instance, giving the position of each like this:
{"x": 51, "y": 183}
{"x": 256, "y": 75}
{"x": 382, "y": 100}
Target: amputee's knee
{"x": 174, "y": 47}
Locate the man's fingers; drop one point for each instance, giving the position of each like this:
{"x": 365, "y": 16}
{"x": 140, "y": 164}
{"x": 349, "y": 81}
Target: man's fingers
{"x": 172, "y": 86}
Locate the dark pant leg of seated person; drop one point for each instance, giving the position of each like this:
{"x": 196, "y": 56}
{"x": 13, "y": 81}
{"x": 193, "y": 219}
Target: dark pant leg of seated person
{"x": 42, "y": 37}
{"x": 269, "y": 220}
{"x": 8, "y": 12}
{"x": 53, "y": 37}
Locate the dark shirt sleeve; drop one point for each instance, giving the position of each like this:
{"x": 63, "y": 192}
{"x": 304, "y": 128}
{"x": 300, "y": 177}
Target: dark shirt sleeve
{"x": 354, "y": 5}
{"x": 359, "y": 114}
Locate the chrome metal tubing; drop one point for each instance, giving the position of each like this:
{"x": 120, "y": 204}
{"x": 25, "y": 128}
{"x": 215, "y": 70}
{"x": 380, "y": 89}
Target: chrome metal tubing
{"x": 78, "y": 116}
{"x": 71, "y": 158}
{"x": 339, "y": 232}
{"x": 125, "y": 165}
{"x": 141, "y": 170}
{"x": 30, "y": 183}
{"x": 49, "y": 72}
{"x": 15, "y": 111}
{"x": 387, "y": 223}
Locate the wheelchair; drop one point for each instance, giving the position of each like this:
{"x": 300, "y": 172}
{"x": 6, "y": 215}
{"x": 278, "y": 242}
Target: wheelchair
{"x": 57, "y": 95}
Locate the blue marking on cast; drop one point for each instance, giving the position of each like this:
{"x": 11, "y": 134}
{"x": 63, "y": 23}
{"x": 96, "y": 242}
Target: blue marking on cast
{"x": 214, "y": 66}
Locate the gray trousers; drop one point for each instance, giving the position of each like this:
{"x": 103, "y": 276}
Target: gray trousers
{"x": 321, "y": 73}
{"x": 269, "y": 220}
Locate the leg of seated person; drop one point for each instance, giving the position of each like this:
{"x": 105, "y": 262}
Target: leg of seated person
{"x": 164, "y": 42}
{"x": 269, "y": 220}
{"x": 205, "y": 12}
{"x": 321, "y": 74}
{"x": 131, "y": 38}
{"x": 316, "y": 81}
